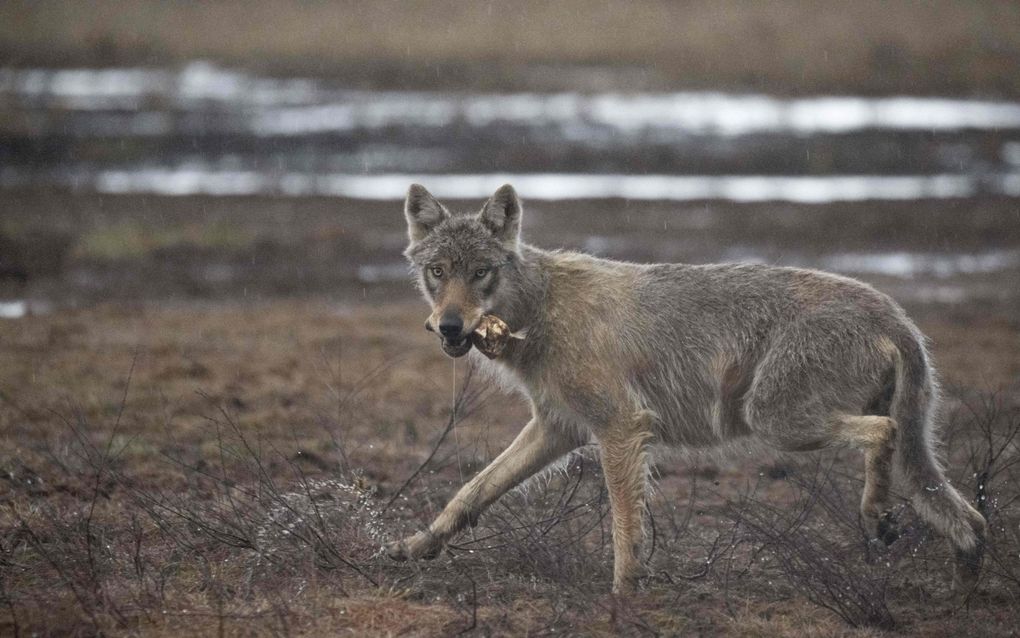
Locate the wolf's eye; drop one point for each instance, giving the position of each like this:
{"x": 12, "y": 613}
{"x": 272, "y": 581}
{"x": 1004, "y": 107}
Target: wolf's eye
{"x": 437, "y": 271}
{"x": 481, "y": 272}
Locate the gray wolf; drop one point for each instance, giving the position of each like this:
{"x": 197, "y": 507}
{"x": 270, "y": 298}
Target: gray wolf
{"x": 693, "y": 356}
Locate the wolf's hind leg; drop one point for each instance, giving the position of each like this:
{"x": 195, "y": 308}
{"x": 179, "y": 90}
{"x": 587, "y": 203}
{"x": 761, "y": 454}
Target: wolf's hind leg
{"x": 876, "y": 437}
{"x": 535, "y": 447}
{"x": 623, "y": 448}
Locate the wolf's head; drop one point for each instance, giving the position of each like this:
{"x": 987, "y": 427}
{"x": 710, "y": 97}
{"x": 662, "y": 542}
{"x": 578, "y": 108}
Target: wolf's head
{"x": 461, "y": 261}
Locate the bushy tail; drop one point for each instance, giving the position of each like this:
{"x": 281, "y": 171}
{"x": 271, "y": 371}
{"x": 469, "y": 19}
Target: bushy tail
{"x": 936, "y": 501}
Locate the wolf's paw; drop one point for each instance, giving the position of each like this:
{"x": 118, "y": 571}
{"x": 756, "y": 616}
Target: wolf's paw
{"x": 422, "y": 545}
{"x": 883, "y": 528}
{"x": 634, "y": 580}
{"x": 888, "y": 529}
{"x": 397, "y": 550}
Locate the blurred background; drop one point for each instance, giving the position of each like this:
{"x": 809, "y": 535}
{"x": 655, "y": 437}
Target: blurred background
{"x": 231, "y": 150}
{"x": 202, "y": 291}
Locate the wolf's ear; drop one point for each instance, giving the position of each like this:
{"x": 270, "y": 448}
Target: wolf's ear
{"x": 502, "y": 215}
{"x": 423, "y": 212}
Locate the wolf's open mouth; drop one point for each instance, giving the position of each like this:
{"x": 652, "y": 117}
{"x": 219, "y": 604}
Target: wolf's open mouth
{"x": 456, "y": 348}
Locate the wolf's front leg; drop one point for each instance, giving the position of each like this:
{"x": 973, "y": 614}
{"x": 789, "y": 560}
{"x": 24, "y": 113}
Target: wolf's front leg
{"x": 537, "y": 445}
{"x": 623, "y": 448}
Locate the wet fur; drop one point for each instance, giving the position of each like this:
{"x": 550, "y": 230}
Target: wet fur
{"x": 693, "y": 357}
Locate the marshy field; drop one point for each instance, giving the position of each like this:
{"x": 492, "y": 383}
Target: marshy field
{"x": 217, "y": 399}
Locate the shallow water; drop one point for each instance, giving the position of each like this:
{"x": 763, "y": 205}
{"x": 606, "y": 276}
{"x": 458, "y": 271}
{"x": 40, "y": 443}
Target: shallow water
{"x": 300, "y": 106}
{"x": 204, "y": 129}
{"x": 15, "y": 309}
{"x": 200, "y": 180}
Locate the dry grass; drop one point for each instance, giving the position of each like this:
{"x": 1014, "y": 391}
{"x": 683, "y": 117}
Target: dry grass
{"x": 234, "y": 470}
{"x": 784, "y": 47}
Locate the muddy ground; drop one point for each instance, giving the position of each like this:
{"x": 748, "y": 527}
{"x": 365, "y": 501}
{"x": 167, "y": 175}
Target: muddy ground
{"x": 67, "y": 247}
{"x": 216, "y": 410}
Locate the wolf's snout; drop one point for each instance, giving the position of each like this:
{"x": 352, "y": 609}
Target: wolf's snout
{"x": 451, "y": 326}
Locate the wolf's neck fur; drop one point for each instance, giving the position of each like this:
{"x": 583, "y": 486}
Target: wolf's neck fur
{"x": 547, "y": 287}
{"x": 522, "y": 306}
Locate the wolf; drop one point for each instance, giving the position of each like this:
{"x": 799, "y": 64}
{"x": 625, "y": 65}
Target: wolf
{"x": 695, "y": 356}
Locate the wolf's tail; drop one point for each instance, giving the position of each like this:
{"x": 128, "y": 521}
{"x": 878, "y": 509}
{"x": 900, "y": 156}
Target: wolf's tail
{"x": 936, "y": 501}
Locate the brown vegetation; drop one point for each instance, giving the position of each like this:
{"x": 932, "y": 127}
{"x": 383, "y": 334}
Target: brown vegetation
{"x": 234, "y": 468}
{"x": 776, "y": 47}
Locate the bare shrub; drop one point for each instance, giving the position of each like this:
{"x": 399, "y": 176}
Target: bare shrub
{"x": 257, "y": 536}
{"x": 819, "y": 547}
{"x": 986, "y": 431}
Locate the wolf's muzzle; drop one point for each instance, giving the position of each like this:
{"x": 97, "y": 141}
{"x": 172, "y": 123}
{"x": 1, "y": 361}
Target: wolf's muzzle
{"x": 451, "y": 326}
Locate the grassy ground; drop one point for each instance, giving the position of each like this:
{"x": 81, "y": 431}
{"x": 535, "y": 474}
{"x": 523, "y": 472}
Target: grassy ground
{"x": 776, "y": 47}
{"x": 233, "y": 467}
{"x": 226, "y": 405}
{"x": 221, "y": 415}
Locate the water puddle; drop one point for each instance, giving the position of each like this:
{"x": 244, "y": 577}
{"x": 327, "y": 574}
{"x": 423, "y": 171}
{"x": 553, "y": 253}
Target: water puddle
{"x": 377, "y": 273}
{"x": 301, "y": 106}
{"x": 203, "y": 129}
{"x": 19, "y": 308}
{"x": 209, "y": 130}
{"x": 909, "y": 265}
{"x": 198, "y": 180}
{"x": 13, "y": 309}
